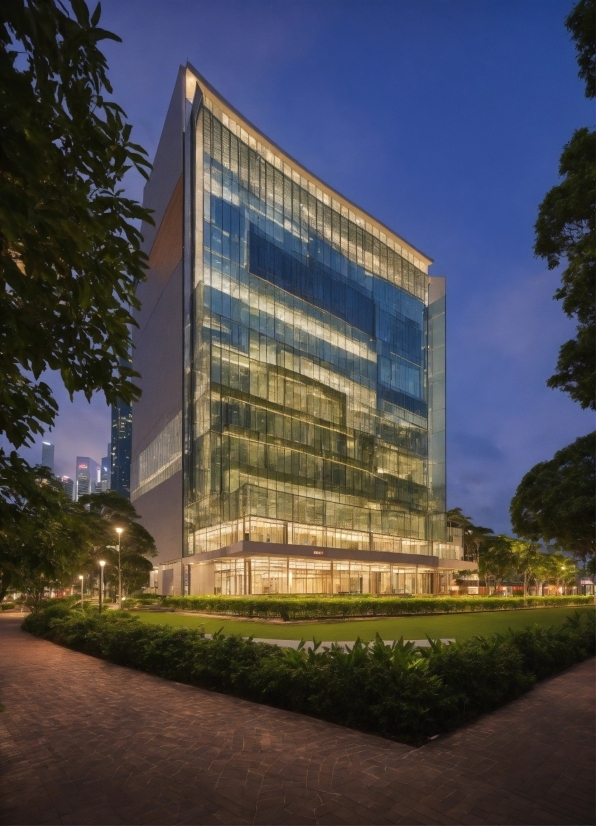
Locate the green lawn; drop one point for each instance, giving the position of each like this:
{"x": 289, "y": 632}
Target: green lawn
{"x": 459, "y": 626}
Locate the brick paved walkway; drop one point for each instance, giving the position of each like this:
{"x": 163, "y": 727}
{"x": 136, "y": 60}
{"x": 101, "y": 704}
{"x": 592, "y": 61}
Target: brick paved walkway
{"x": 87, "y": 742}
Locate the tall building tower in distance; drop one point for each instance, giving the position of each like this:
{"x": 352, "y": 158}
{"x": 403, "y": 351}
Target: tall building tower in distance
{"x": 105, "y": 471}
{"x": 120, "y": 449}
{"x": 68, "y": 485}
{"x": 47, "y": 455}
{"x": 290, "y": 436}
{"x": 86, "y": 476}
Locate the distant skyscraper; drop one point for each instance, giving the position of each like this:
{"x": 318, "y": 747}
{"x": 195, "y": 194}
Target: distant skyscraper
{"x": 121, "y": 448}
{"x": 47, "y": 455}
{"x": 86, "y": 476}
{"x": 105, "y": 472}
{"x": 68, "y": 485}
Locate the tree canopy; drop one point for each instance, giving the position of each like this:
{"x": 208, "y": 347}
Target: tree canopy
{"x": 70, "y": 260}
{"x": 70, "y": 253}
{"x": 53, "y": 540}
{"x": 475, "y": 537}
{"x": 565, "y": 229}
{"x": 554, "y": 501}
{"x": 47, "y": 540}
{"x": 581, "y": 23}
{"x": 115, "y": 511}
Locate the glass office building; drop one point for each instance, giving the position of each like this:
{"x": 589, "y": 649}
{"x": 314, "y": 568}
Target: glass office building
{"x": 310, "y": 441}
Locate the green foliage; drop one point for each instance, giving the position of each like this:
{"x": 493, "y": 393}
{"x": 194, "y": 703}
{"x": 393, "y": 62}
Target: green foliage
{"x": 112, "y": 510}
{"x": 496, "y": 562}
{"x": 475, "y": 537}
{"x": 565, "y": 229}
{"x": 581, "y": 23}
{"x": 554, "y": 501}
{"x": 48, "y": 539}
{"x": 304, "y": 607}
{"x": 44, "y": 538}
{"x": 70, "y": 253}
{"x": 395, "y": 690}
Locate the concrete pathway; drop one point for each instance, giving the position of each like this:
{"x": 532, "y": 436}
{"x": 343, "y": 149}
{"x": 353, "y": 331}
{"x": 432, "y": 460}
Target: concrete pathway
{"x": 327, "y": 643}
{"x": 86, "y": 742}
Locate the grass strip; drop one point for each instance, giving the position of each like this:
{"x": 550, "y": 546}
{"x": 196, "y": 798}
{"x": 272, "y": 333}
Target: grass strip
{"x": 457, "y": 626}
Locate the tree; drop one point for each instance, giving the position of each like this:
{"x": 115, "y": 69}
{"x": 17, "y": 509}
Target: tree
{"x": 115, "y": 511}
{"x": 47, "y": 544}
{"x": 528, "y": 561}
{"x": 70, "y": 254}
{"x": 581, "y": 22}
{"x": 475, "y": 537}
{"x": 554, "y": 502}
{"x": 497, "y": 561}
{"x": 565, "y": 229}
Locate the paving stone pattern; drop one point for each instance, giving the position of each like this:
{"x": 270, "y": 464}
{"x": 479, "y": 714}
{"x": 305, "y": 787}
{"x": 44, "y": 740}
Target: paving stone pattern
{"x": 88, "y": 742}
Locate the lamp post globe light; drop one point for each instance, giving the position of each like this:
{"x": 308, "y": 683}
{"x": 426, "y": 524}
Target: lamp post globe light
{"x": 81, "y": 577}
{"x": 119, "y": 532}
{"x": 101, "y": 567}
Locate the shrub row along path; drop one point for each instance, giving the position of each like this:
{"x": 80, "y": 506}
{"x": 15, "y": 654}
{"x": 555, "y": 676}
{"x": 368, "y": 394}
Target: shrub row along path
{"x": 88, "y": 742}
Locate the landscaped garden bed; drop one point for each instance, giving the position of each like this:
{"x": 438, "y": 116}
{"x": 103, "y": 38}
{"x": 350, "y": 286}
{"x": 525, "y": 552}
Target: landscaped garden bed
{"x": 290, "y": 608}
{"x": 396, "y": 691}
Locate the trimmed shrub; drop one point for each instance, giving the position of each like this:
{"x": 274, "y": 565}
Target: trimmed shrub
{"x": 292, "y": 607}
{"x": 396, "y": 690}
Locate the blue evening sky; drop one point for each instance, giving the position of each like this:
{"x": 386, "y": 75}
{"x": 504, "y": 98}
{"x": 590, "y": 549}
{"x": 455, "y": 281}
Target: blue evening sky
{"x": 443, "y": 118}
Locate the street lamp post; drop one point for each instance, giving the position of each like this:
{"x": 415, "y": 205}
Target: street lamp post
{"x": 82, "y": 581}
{"x": 101, "y": 567}
{"x": 119, "y": 531}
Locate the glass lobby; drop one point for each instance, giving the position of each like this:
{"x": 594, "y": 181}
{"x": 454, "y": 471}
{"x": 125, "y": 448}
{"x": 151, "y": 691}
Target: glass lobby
{"x": 307, "y": 382}
{"x": 274, "y": 575}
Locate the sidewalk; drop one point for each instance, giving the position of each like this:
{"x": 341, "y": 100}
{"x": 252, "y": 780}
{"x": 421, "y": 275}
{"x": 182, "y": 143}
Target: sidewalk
{"x": 88, "y": 742}
{"x": 328, "y": 643}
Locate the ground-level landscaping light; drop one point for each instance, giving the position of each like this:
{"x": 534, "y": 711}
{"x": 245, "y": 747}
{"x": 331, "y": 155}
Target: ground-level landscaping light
{"x": 101, "y": 567}
{"x": 82, "y": 581}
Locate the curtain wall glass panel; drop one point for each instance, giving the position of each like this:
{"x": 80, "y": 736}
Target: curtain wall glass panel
{"x": 306, "y": 414}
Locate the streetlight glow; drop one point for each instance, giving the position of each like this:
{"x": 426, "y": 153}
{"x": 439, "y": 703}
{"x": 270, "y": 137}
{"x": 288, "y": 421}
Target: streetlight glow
{"x": 119, "y": 531}
{"x": 102, "y": 563}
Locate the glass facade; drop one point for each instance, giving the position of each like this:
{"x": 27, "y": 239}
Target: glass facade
{"x": 314, "y": 371}
{"x": 275, "y": 575}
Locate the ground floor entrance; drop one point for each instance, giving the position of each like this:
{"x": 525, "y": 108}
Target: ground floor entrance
{"x": 264, "y": 575}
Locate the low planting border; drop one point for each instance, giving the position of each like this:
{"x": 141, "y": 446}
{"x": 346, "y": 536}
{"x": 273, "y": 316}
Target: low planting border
{"x": 306, "y": 608}
{"x": 396, "y": 691}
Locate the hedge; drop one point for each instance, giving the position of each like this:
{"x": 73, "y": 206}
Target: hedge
{"x": 396, "y": 691}
{"x": 301, "y": 607}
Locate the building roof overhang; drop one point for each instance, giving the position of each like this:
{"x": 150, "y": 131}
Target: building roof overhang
{"x": 196, "y": 82}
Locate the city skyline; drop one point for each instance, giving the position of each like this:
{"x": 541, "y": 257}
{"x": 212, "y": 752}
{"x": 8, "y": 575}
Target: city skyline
{"x": 464, "y": 182}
